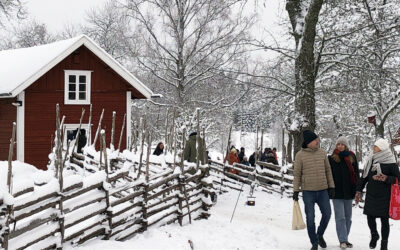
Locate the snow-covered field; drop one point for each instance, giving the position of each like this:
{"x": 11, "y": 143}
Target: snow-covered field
{"x": 265, "y": 226}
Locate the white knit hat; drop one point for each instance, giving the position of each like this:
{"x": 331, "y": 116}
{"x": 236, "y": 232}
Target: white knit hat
{"x": 382, "y": 144}
{"x": 343, "y": 140}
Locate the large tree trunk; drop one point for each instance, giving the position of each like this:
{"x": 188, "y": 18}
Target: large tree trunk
{"x": 304, "y": 32}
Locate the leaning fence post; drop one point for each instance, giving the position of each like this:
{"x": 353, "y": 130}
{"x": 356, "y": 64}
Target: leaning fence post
{"x": 9, "y": 184}
{"x": 107, "y": 183}
{"x": 122, "y": 133}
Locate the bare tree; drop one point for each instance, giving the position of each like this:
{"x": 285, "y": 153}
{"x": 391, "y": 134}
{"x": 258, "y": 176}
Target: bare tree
{"x": 187, "y": 43}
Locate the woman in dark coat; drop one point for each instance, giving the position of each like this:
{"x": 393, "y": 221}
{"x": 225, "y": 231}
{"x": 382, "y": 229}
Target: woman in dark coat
{"x": 345, "y": 175}
{"x": 380, "y": 172}
{"x": 159, "y": 149}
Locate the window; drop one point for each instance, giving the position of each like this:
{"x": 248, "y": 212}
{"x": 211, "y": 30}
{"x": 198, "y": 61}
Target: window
{"x": 71, "y": 131}
{"x": 77, "y": 87}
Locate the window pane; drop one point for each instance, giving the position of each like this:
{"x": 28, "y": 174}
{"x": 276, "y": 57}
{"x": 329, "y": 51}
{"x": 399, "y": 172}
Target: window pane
{"x": 82, "y": 95}
{"x": 82, "y": 87}
{"x": 72, "y": 78}
{"x": 82, "y": 79}
{"x": 72, "y": 87}
{"x": 71, "y": 96}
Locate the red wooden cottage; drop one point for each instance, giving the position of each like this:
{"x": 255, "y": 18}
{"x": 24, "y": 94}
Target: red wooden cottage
{"x": 74, "y": 73}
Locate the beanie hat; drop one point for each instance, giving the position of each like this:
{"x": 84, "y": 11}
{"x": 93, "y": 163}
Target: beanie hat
{"x": 382, "y": 144}
{"x": 343, "y": 140}
{"x": 308, "y": 136}
{"x": 233, "y": 150}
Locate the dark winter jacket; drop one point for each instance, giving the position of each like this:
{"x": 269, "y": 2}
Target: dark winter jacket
{"x": 241, "y": 155}
{"x": 377, "y": 198}
{"x": 344, "y": 189}
{"x": 245, "y": 163}
{"x": 269, "y": 156}
{"x": 158, "y": 150}
{"x": 252, "y": 159}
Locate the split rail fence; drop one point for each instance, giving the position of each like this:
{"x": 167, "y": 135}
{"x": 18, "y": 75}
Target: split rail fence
{"x": 110, "y": 205}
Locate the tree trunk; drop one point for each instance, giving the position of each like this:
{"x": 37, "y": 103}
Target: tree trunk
{"x": 289, "y": 149}
{"x": 304, "y": 32}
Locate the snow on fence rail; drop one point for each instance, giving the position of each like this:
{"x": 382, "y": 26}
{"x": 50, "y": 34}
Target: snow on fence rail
{"x": 269, "y": 176}
{"x": 112, "y": 206}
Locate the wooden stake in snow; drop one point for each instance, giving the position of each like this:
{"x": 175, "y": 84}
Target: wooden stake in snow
{"x": 10, "y": 157}
{"x": 198, "y": 140}
{"x": 172, "y": 134}
{"x": 113, "y": 131}
{"x": 262, "y": 141}
{"x": 283, "y": 147}
{"x": 79, "y": 131}
{"x": 122, "y": 133}
{"x": 166, "y": 132}
{"x": 148, "y": 156}
{"x": 89, "y": 134}
{"x": 257, "y": 151}
{"x": 58, "y": 144}
{"x": 205, "y": 156}
{"x": 141, "y": 146}
{"x": 98, "y": 128}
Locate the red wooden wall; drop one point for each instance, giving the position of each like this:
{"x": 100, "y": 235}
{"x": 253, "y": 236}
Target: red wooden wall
{"x": 8, "y": 115}
{"x": 108, "y": 91}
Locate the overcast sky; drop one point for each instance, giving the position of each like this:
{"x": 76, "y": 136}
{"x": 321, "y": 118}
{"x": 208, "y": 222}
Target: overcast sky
{"x": 57, "y": 13}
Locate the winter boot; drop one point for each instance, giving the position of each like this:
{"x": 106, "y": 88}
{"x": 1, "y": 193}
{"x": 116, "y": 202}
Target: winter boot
{"x": 314, "y": 246}
{"x": 374, "y": 239}
{"x": 384, "y": 244}
{"x": 343, "y": 245}
{"x": 349, "y": 245}
{"x": 321, "y": 241}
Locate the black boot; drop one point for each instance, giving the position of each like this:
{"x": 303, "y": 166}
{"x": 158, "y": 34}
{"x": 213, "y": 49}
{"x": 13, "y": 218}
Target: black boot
{"x": 321, "y": 241}
{"x": 384, "y": 244}
{"x": 374, "y": 239}
{"x": 314, "y": 246}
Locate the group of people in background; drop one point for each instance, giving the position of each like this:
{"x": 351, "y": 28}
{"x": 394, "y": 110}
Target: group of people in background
{"x": 320, "y": 178}
{"x": 269, "y": 155}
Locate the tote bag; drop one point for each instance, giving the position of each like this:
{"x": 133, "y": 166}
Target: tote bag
{"x": 394, "y": 208}
{"x": 297, "y": 220}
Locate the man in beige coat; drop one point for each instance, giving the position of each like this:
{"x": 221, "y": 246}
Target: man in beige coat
{"x": 313, "y": 176}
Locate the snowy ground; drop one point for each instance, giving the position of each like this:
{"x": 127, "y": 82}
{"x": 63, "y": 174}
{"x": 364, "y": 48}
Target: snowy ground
{"x": 265, "y": 226}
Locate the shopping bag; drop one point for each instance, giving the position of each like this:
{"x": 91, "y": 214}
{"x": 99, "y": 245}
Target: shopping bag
{"x": 297, "y": 221}
{"x": 394, "y": 208}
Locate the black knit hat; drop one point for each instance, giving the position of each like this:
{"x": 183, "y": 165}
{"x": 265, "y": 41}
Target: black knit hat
{"x": 308, "y": 136}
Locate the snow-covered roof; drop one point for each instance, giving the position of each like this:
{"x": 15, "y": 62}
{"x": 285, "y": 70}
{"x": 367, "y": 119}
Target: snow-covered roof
{"x": 22, "y": 67}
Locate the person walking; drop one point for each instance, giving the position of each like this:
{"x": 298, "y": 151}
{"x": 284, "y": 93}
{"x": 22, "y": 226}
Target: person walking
{"x": 313, "y": 176}
{"x": 345, "y": 173}
{"x": 379, "y": 173}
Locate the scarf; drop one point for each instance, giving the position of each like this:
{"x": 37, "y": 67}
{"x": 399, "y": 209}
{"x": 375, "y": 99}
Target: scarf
{"x": 375, "y": 161}
{"x": 346, "y": 155}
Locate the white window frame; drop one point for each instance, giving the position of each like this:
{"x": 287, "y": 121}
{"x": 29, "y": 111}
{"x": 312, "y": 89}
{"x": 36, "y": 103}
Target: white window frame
{"x": 74, "y": 127}
{"x": 67, "y": 73}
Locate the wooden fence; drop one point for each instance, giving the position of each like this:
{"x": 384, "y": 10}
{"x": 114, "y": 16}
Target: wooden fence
{"x": 111, "y": 205}
{"x": 272, "y": 178}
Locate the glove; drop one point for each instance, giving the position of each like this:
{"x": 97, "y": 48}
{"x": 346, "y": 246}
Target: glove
{"x": 331, "y": 193}
{"x": 296, "y": 196}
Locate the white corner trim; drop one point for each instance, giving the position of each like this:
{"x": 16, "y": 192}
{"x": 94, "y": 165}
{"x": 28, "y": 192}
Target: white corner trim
{"x": 128, "y": 117}
{"x": 21, "y": 128}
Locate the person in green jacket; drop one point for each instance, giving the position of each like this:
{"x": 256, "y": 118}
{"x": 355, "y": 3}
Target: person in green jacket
{"x": 190, "y": 152}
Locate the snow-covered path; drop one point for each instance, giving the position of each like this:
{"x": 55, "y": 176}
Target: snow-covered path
{"x": 265, "y": 226}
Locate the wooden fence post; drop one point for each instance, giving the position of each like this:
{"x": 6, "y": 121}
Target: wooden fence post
{"x": 262, "y": 142}
{"x": 144, "y": 206}
{"x": 144, "y": 131}
{"x": 283, "y": 148}
{"x": 198, "y": 140}
{"x": 166, "y": 132}
{"x": 98, "y": 128}
{"x": 78, "y": 132}
{"x": 10, "y": 212}
{"x": 122, "y": 133}
{"x": 257, "y": 151}
{"x": 112, "y": 147}
{"x": 106, "y": 189}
